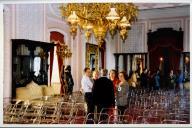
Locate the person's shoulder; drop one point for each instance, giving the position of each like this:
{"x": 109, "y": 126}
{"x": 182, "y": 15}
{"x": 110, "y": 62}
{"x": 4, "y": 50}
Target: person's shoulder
{"x": 84, "y": 77}
{"x": 107, "y": 79}
{"x": 102, "y": 78}
{"x": 97, "y": 81}
{"x": 126, "y": 82}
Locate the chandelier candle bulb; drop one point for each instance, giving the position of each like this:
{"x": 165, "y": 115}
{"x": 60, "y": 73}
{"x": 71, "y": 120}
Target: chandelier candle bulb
{"x": 113, "y": 15}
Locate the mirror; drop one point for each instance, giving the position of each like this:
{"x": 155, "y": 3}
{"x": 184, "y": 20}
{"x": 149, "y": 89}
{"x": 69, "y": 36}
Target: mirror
{"x": 37, "y": 65}
{"x": 92, "y": 61}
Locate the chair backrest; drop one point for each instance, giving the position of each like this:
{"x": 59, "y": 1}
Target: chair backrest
{"x": 79, "y": 120}
{"x": 166, "y": 121}
{"x": 140, "y": 120}
{"x": 120, "y": 119}
{"x": 111, "y": 111}
{"x": 148, "y": 120}
{"x": 176, "y": 116}
{"x": 157, "y": 113}
{"x": 80, "y": 112}
{"x": 97, "y": 117}
{"x": 89, "y": 121}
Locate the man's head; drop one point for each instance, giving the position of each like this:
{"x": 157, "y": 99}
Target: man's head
{"x": 171, "y": 72}
{"x": 87, "y": 72}
{"x": 145, "y": 70}
{"x": 68, "y": 68}
{"x": 104, "y": 72}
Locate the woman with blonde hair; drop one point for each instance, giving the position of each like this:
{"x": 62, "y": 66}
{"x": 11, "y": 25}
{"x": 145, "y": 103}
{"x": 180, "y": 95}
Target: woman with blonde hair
{"x": 133, "y": 80}
{"x": 95, "y": 75}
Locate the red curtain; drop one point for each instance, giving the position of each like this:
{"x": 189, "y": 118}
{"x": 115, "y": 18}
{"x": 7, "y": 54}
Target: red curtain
{"x": 56, "y": 36}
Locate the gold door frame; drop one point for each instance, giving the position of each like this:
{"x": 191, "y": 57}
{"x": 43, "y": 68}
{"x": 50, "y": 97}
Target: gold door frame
{"x": 92, "y": 49}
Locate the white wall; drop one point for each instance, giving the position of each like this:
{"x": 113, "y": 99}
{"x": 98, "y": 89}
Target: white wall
{"x": 154, "y": 19}
{"x": 8, "y": 34}
{"x": 1, "y": 56}
{"x": 20, "y": 22}
{"x": 30, "y": 21}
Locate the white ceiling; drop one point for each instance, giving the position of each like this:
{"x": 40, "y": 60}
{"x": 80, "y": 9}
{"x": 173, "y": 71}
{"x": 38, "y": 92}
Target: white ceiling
{"x": 143, "y": 6}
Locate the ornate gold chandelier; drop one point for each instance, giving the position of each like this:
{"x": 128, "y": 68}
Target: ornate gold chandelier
{"x": 98, "y": 18}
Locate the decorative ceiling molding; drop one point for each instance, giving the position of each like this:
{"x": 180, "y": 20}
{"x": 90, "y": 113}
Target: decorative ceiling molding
{"x": 54, "y": 9}
{"x": 143, "y": 6}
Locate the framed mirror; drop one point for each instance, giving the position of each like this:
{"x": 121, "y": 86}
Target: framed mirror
{"x": 92, "y": 56}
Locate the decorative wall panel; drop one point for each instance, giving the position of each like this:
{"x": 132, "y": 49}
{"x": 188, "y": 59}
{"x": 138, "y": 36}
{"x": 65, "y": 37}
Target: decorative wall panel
{"x": 175, "y": 24}
{"x": 136, "y": 39}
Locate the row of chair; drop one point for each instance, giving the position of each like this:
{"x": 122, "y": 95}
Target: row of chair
{"x": 154, "y": 107}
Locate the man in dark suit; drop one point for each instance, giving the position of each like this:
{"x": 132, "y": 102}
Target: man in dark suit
{"x": 144, "y": 79}
{"x": 103, "y": 92}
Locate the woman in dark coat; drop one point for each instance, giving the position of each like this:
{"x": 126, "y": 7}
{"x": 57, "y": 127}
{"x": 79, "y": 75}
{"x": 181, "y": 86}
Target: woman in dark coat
{"x": 69, "y": 80}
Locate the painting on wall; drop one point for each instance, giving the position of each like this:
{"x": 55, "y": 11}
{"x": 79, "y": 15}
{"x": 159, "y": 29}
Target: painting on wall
{"x": 92, "y": 56}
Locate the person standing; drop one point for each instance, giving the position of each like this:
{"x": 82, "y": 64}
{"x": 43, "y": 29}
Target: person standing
{"x": 144, "y": 79}
{"x": 172, "y": 80}
{"x": 157, "y": 80}
{"x": 122, "y": 93}
{"x": 180, "y": 79}
{"x": 149, "y": 80}
{"x": 113, "y": 77}
{"x": 103, "y": 92}
{"x": 132, "y": 80}
{"x": 69, "y": 80}
{"x": 87, "y": 85}
{"x": 95, "y": 75}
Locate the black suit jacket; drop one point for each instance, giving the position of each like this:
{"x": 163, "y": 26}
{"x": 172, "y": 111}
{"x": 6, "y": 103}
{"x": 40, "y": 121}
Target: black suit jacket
{"x": 103, "y": 92}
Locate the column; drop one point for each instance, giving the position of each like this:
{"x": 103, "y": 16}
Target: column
{"x": 120, "y": 65}
{"x": 125, "y": 62}
{"x": 145, "y": 66}
{"x": 116, "y": 62}
{"x": 131, "y": 59}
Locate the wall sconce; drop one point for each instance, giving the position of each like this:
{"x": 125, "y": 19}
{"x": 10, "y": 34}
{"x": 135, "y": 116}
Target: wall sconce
{"x": 64, "y": 51}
